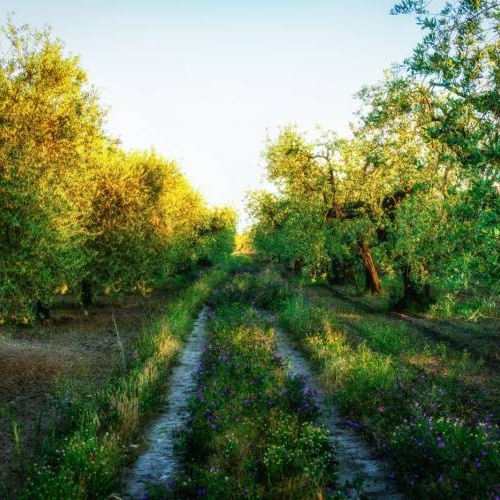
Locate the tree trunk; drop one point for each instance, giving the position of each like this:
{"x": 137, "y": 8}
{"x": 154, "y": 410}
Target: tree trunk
{"x": 86, "y": 293}
{"x": 415, "y": 296}
{"x": 336, "y": 274}
{"x": 41, "y": 311}
{"x": 340, "y": 272}
{"x": 372, "y": 279}
{"x": 297, "y": 266}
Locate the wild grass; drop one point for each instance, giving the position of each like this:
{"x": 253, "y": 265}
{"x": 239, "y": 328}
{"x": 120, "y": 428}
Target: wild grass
{"x": 418, "y": 401}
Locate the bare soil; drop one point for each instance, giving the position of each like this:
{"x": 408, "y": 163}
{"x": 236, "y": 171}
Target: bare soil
{"x": 73, "y": 347}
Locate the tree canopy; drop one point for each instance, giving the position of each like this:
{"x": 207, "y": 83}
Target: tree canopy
{"x": 414, "y": 192}
{"x": 75, "y": 208}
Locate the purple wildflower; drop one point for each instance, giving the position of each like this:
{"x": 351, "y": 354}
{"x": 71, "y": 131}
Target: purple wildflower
{"x": 440, "y": 441}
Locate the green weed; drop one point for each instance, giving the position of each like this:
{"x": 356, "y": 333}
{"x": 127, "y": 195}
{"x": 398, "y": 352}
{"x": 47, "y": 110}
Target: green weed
{"x": 252, "y": 431}
{"x": 446, "y": 457}
{"x": 411, "y": 397}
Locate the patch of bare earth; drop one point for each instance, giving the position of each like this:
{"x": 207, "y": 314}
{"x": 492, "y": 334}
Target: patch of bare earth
{"x": 74, "y": 347}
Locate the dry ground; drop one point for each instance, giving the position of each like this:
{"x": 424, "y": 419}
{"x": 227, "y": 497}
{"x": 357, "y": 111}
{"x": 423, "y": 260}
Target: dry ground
{"x": 37, "y": 363}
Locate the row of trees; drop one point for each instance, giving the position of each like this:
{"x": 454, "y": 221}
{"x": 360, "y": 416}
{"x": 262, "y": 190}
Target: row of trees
{"x": 76, "y": 211}
{"x": 416, "y": 191}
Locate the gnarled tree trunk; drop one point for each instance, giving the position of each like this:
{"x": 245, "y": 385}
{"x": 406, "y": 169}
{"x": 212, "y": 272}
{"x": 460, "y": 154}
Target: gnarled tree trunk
{"x": 415, "y": 295}
{"x": 41, "y": 311}
{"x": 372, "y": 278}
{"x": 86, "y": 293}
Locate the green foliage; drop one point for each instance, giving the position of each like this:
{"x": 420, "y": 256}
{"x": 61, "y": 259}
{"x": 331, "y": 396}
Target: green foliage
{"x": 73, "y": 205}
{"x": 454, "y": 70}
{"x": 50, "y": 122}
{"x": 266, "y": 290}
{"x": 142, "y": 225}
{"x": 447, "y": 457}
{"x": 291, "y": 225}
{"x": 415, "y": 192}
{"x": 300, "y": 318}
{"x": 216, "y": 232}
{"x": 296, "y": 456}
{"x": 243, "y": 243}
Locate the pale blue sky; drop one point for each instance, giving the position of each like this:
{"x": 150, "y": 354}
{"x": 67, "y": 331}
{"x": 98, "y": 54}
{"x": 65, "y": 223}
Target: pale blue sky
{"x": 202, "y": 81}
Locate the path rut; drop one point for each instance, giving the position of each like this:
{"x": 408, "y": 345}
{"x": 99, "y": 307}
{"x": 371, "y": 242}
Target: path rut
{"x": 159, "y": 463}
{"x": 355, "y": 458}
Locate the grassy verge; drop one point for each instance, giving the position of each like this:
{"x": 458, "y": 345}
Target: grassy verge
{"x": 428, "y": 408}
{"x": 83, "y": 458}
{"x": 251, "y": 432}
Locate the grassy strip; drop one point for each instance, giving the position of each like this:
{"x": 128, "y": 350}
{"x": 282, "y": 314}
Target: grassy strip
{"x": 83, "y": 462}
{"x": 420, "y": 403}
{"x": 252, "y": 431}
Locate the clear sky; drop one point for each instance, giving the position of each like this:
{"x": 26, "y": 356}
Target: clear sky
{"x": 204, "y": 80}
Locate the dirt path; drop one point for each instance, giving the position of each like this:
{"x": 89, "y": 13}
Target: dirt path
{"x": 158, "y": 464}
{"x": 355, "y": 459}
{"x": 43, "y": 366}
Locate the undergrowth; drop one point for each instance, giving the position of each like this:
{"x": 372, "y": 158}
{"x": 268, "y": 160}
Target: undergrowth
{"x": 420, "y": 403}
{"x": 252, "y": 432}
